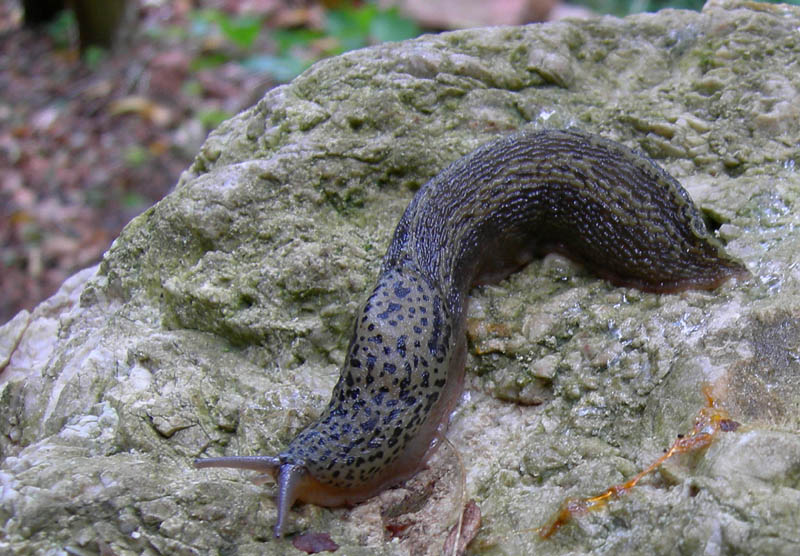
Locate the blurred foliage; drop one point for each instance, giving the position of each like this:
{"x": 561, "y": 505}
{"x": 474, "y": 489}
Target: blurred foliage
{"x": 93, "y": 56}
{"x": 241, "y": 30}
{"x": 212, "y": 118}
{"x": 624, "y": 7}
{"x": 345, "y": 28}
{"x": 245, "y": 38}
{"x": 63, "y": 30}
{"x": 136, "y": 155}
{"x": 357, "y": 27}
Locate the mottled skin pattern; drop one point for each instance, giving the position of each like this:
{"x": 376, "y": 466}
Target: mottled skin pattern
{"x": 395, "y": 373}
{"x": 482, "y": 218}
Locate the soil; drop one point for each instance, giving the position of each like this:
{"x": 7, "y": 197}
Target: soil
{"x": 89, "y": 140}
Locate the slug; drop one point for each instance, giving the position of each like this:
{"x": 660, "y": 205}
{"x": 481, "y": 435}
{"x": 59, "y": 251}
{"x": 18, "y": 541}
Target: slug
{"x": 482, "y": 218}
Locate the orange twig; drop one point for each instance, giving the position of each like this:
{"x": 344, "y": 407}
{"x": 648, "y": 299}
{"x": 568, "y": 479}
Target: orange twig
{"x": 710, "y": 421}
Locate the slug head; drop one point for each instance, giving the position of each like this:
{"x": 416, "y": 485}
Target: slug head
{"x": 290, "y": 478}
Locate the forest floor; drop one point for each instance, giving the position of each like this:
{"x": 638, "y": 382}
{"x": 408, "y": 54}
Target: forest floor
{"x": 89, "y": 141}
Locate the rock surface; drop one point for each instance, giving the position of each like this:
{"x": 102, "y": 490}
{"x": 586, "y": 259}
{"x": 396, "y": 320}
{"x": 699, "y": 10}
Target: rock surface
{"x": 217, "y": 321}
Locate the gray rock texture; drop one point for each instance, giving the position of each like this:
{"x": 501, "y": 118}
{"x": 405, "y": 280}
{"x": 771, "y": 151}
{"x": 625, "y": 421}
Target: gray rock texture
{"x": 217, "y": 321}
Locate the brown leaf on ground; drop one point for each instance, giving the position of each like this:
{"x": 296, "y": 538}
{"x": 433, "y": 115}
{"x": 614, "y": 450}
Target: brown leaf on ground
{"x": 314, "y": 543}
{"x": 86, "y": 147}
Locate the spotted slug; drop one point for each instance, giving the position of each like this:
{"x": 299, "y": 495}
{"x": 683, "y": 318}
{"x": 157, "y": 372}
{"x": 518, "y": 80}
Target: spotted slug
{"x": 484, "y": 217}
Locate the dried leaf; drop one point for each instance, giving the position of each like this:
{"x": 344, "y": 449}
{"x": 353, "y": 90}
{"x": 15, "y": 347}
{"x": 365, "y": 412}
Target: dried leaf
{"x": 144, "y": 107}
{"x": 313, "y": 543}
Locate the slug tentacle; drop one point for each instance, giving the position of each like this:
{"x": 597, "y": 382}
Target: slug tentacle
{"x": 483, "y": 217}
{"x": 289, "y": 478}
{"x": 262, "y": 464}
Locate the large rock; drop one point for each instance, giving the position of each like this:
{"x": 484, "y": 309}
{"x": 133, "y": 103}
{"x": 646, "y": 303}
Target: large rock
{"x": 217, "y": 321}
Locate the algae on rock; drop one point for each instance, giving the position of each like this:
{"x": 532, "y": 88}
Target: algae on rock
{"x": 217, "y": 321}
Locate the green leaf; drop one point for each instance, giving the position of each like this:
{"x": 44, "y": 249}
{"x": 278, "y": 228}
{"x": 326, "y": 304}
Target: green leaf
{"x": 93, "y": 56}
{"x": 133, "y": 200}
{"x": 136, "y": 156}
{"x": 192, "y": 88}
{"x": 282, "y": 68}
{"x": 242, "y": 30}
{"x": 209, "y": 61}
{"x": 212, "y": 118}
{"x": 357, "y": 27}
{"x": 391, "y": 26}
{"x": 203, "y": 21}
{"x": 350, "y": 26}
{"x": 62, "y": 29}
{"x": 287, "y": 39}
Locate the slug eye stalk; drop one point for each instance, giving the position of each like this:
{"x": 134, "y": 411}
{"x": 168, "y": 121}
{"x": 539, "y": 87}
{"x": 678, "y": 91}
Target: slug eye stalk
{"x": 288, "y": 476}
{"x": 262, "y": 464}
